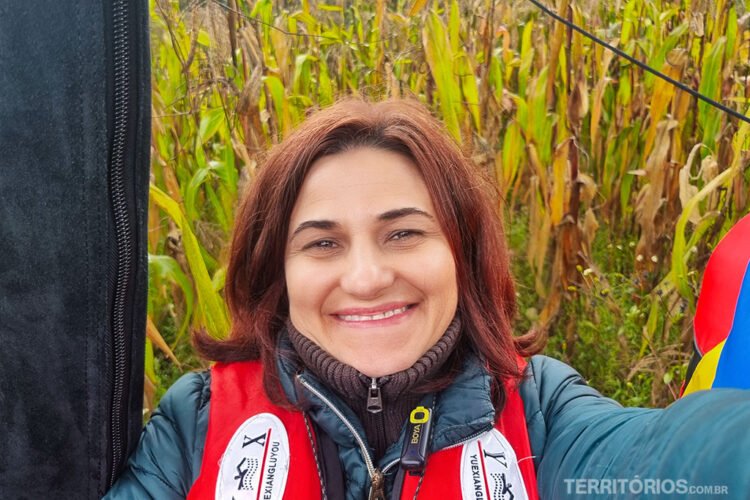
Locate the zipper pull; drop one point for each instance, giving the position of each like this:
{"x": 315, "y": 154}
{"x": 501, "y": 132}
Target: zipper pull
{"x": 377, "y": 489}
{"x": 374, "y": 401}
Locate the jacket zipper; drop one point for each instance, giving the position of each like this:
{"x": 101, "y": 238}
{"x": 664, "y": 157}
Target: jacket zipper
{"x": 374, "y": 399}
{"x": 123, "y": 236}
{"x": 467, "y": 439}
{"x": 374, "y": 473}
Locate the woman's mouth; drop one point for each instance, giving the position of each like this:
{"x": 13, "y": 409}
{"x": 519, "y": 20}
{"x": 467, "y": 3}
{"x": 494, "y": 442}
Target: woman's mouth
{"x": 373, "y": 317}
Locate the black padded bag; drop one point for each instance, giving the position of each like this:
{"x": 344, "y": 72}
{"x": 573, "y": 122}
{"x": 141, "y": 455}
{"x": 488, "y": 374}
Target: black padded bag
{"x": 74, "y": 145}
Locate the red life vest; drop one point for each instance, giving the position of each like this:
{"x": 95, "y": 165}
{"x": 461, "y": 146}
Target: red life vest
{"x": 254, "y": 449}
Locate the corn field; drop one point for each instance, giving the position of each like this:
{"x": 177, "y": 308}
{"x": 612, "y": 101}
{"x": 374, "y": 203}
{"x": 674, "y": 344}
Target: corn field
{"x": 616, "y": 185}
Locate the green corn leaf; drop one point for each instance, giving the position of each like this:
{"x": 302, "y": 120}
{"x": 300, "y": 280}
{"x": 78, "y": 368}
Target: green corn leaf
{"x": 496, "y": 78}
{"x": 210, "y": 124}
{"x": 625, "y": 91}
{"x": 522, "y": 115}
{"x": 469, "y": 88}
{"x": 226, "y": 169}
{"x": 454, "y": 26}
{"x": 701, "y": 228}
{"x": 218, "y": 208}
{"x": 512, "y": 149}
{"x": 731, "y": 34}
{"x": 330, "y": 8}
{"x": 325, "y": 88}
{"x": 660, "y": 57}
{"x": 541, "y": 124}
{"x": 626, "y": 189}
{"x": 310, "y": 22}
{"x": 652, "y": 324}
{"x": 164, "y": 267}
{"x": 263, "y": 9}
{"x": 440, "y": 60}
{"x": 211, "y": 305}
{"x": 331, "y": 36}
{"x": 679, "y": 266}
{"x": 629, "y": 17}
{"x": 527, "y": 57}
{"x": 278, "y": 97}
{"x": 709, "y": 118}
{"x": 302, "y": 75}
{"x": 219, "y": 279}
{"x": 192, "y": 192}
{"x": 203, "y": 38}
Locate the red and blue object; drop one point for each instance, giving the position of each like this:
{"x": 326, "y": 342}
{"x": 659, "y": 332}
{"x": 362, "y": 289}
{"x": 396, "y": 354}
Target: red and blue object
{"x": 722, "y": 316}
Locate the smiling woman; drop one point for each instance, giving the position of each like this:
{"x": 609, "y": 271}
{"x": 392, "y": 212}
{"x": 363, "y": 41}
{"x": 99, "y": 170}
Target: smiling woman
{"x": 372, "y": 355}
{"x": 339, "y": 169}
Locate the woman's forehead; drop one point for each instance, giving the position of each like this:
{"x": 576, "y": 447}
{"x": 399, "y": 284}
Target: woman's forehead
{"x": 359, "y": 181}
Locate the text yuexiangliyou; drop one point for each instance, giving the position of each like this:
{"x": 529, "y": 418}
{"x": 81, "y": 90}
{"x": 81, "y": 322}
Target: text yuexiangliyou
{"x": 271, "y": 471}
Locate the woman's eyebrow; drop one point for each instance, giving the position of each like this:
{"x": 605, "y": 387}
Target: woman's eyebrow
{"x": 390, "y": 215}
{"x": 315, "y": 224}
{"x": 403, "y": 212}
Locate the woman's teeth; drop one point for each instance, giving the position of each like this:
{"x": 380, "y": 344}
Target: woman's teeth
{"x": 373, "y": 317}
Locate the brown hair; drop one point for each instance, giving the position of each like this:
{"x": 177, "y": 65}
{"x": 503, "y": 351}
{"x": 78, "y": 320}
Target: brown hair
{"x": 465, "y": 204}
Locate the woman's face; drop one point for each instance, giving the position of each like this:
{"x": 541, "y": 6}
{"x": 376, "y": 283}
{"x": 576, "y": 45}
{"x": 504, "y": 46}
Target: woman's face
{"x": 369, "y": 272}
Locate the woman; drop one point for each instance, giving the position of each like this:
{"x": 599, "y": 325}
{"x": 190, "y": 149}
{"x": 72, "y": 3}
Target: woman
{"x": 371, "y": 353}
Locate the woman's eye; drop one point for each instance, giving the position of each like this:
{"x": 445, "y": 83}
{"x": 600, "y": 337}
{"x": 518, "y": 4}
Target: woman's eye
{"x": 404, "y": 234}
{"x": 320, "y": 245}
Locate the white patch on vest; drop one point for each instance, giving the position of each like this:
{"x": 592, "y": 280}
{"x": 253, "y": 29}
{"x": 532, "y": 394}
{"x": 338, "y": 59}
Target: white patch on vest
{"x": 255, "y": 464}
{"x": 489, "y": 469}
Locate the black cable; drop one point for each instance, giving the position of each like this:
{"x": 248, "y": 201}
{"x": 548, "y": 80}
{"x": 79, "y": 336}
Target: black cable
{"x": 642, "y": 65}
{"x": 398, "y": 484}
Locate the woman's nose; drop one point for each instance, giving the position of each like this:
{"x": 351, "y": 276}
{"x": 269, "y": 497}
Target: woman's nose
{"x": 367, "y": 272}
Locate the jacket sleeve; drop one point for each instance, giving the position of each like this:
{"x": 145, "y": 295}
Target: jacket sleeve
{"x": 168, "y": 457}
{"x": 577, "y": 434}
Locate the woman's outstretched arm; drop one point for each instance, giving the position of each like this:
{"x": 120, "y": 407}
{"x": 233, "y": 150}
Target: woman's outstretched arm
{"x": 168, "y": 457}
{"x": 587, "y": 444}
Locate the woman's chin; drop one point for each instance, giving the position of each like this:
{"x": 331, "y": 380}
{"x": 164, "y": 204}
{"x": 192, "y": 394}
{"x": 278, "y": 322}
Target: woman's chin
{"x": 378, "y": 365}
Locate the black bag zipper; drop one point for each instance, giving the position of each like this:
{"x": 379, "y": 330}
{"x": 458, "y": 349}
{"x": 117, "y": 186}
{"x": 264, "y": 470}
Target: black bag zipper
{"x": 124, "y": 261}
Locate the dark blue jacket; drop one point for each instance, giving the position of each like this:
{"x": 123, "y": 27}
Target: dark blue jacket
{"x": 583, "y": 443}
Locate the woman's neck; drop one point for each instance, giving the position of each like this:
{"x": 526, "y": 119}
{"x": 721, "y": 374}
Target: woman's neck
{"x": 382, "y": 404}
